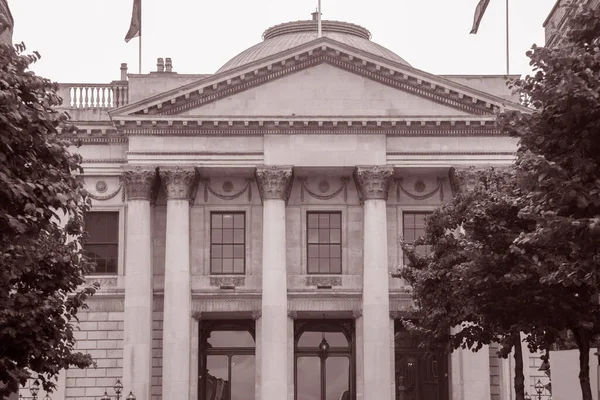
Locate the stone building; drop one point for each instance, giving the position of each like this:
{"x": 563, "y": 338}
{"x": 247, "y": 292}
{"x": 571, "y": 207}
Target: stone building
{"x": 245, "y": 223}
{"x": 555, "y": 25}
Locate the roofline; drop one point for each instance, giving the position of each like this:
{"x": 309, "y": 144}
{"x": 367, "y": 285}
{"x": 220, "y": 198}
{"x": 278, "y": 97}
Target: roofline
{"x": 550, "y": 14}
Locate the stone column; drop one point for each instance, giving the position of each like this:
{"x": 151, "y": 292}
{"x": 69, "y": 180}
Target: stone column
{"x": 373, "y": 185}
{"x": 274, "y": 184}
{"x": 137, "y": 337}
{"x": 178, "y": 184}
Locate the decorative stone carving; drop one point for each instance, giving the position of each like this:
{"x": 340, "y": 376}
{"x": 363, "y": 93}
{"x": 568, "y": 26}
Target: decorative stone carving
{"x": 419, "y": 184}
{"x": 324, "y": 186}
{"x": 179, "y": 183}
{"x": 464, "y": 179}
{"x": 227, "y": 188}
{"x": 197, "y": 315}
{"x": 101, "y": 186}
{"x": 256, "y": 314}
{"x": 105, "y": 283}
{"x": 314, "y": 280}
{"x": 373, "y": 182}
{"x": 274, "y": 182}
{"x": 105, "y": 197}
{"x": 139, "y": 183}
{"x": 219, "y": 281}
{"x": 293, "y": 314}
{"x": 356, "y": 314}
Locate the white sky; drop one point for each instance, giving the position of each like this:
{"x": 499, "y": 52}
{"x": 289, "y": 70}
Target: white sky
{"x": 83, "y": 40}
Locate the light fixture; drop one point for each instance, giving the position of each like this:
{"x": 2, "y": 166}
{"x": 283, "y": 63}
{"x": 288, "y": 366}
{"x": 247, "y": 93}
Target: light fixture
{"x": 35, "y": 388}
{"x": 105, "y": 396}
{"x": 527, "y": 396}
{"x": 118, "y": 387}
{"x": 539, "y": 388}
{"x": 130, "y": 396}
{"x": 324, "y": 347}
{"x": 47, "y": 397}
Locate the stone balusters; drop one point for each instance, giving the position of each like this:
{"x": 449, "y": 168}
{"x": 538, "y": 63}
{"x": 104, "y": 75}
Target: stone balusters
{"x": 137, "y": 338}
{"x": 373, "y": 184}
{"x": 274, "y": 184}
{"x": 178, "y": 184}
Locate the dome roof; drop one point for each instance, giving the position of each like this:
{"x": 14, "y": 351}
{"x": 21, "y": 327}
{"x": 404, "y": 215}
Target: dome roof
{"x": 292, "y": 34}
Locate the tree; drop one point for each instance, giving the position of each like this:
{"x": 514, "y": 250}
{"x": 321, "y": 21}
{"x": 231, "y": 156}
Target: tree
{"x": 560, "y": 153}
{"x": 42, "y": 264}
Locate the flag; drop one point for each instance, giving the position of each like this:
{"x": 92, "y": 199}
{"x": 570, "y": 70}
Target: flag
{"x": 6, "y": 19}
{"x": 135, "y": 28}
{"x": 479, "y": 11}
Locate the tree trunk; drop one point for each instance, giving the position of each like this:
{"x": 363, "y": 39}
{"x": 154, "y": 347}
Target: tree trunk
{"x": 583, "y": 337}
{"x": 519, "y": 377}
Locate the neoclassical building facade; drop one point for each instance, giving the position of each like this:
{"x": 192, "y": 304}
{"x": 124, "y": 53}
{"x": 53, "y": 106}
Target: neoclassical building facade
{"x": 245, "y": 223}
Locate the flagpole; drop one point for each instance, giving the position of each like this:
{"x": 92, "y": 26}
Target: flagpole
{"x": 507, "y": 43}
{"x": 319, "y": 30}
{"x": 140, "y": 44}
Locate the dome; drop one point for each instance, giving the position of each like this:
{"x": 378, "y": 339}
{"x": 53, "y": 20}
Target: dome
{"x": 292, "y": 34}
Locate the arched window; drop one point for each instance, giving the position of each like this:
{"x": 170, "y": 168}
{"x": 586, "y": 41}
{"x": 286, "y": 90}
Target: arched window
{"x": 226, "y": 362}
{"x": 324, "y": 360}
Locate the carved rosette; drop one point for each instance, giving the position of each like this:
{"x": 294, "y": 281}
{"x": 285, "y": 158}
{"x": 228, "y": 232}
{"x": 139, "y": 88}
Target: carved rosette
{"x": 139, "y": 183}
{"x": 274, "y": 182}
{"x": 179, "y": 183}
{"x": 373, "y": 182}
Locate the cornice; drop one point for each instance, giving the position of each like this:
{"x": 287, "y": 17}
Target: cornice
{"x": 324, "y": 50}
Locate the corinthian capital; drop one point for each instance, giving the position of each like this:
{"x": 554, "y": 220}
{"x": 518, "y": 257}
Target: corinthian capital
{"x": 139, "y": 182}
{"x": 373, "y": 182}
{"x": 178, "y": 182}
{"x": 274, "y": 182}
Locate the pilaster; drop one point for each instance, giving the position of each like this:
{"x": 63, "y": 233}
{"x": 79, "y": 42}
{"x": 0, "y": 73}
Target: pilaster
{"x": 137, "y": 343}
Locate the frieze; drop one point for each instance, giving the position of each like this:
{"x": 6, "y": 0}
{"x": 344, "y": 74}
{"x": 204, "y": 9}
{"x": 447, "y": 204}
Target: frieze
{"x": 110, "y": 304}
{"x": 323, "y": 188}
{"x": 373, "y": 182}
{"x": 179, "y": 182}
{"x": 139, "y": 182}
{"x": 225, "y": 305}
{"x": 324, "y": 304}
{"x": 104, "y": 282}
{"x": 219, "y": 281}
{"x": 419, "y": 187}
{"x": 274, "y": 182}
{"x": 227, "y": 187}
{"x": 313, "y": 280}
{"x": 402, "y": 304}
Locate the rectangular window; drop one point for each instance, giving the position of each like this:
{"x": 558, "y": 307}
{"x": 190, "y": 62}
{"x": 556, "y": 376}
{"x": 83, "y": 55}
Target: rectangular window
{"x": 413, "y": 226}
{"x": 227, "y": 243}
{"x": 102, "y": 243}
{"x": 324, "y": 242}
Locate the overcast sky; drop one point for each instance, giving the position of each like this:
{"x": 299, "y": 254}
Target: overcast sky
{"x": 83, "y": 40}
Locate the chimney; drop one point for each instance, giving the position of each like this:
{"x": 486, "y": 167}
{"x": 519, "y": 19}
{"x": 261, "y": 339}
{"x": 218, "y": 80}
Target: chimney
{"x": 315, "y": 16}
{"x": 168, "y": 65}
{"x": 123, "y": 71}
{"x": 160, "y": 65}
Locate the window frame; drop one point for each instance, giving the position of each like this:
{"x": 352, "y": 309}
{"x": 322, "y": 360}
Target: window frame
{"x": 210, "y": 240}
{"x": 119, "y": 242}
{"x": 307, "y": 213}
{"x": 401, "y": 213}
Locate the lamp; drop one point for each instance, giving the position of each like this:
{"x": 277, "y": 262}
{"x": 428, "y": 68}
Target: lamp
{"x": 324, "y": 347}
{"x": 118, "y": 388}
{"x": 527, "y": 396}
{"x": 130, "y": 396}
{"x": 35, "y": 388}
{"x": 539, "y": 388}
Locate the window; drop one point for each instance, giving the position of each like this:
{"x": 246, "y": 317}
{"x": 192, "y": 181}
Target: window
{"x": 226, "y": 362}
{"x": 102, "y": 244}
{"x": 228, "y": 243}
{"x": 413, "y": 226}
{"x": 324, "y": 244}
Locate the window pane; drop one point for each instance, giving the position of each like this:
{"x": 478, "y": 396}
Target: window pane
{"x": 216, "y": 251}
{"x": 313, "y": 250}
{"x": 313, "y": 236}
{"x": 308, "y": 378}
{"x": 335, "y": 220}
{"x": 335, "y": 236}
{"x": 217, "y": 379}
{"x": 238, "y": 266}
{"x": 242, "y": 377}
{"x": 228, "y": 251}
{"x": 227, "y": 265}
{"x": 337, "y": 370}
{"x": 217, "y": 220}
{"x": 238, "y": 236}
{"x": 335, "y": 265}
{"x": 335, "y": 250}
{"x": 238, "y": 251}
{"x": 313, "y": 265}
{"x": 217, "y": 236}
{"x": 227, "y": 220}
{"x": 324, "y": 265}
{"x": 323, "y": 235}
{"x": 323, "y": 220}
{"x": 313, "y": 220}
{"x": 238, "y": 221}
{"x": 216, "y": 266}
{"x": 227, "y": 235}
{"x": 230, "y": 339}
{"x": 323, "y": 251}
{"x": 311, "y": 339}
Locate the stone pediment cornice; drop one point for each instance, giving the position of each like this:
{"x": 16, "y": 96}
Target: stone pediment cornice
{"x": 158, "y": 125}
{"x": 323, "y": 50}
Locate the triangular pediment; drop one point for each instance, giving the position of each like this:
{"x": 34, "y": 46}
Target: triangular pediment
{"x": 321, "y": 78}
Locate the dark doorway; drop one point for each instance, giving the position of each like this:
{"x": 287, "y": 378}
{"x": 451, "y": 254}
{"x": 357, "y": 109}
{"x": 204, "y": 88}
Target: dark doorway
{"x": 419, "y": 375}
{"x": 226, "y": 360}
{"x": 324, "y": 360}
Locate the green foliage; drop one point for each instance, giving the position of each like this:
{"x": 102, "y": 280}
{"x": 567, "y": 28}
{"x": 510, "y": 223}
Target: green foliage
{"x": 42, "y": 264}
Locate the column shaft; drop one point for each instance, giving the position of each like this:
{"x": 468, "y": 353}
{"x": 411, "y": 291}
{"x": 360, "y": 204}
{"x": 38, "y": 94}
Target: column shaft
{"x": 274, "y": 183}
{"x": 177, "y": 314}
{"x": 137, "y": 336}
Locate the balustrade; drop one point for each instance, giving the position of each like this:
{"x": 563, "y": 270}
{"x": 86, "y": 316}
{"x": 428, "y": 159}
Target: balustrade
{"x": 94, "y": 95}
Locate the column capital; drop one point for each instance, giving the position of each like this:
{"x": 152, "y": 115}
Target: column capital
{"x": 274, "y": 182}
{"x": 179, "y": 183}
{"x": 373, "y": 182}
{"x": 139, "y": 182}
